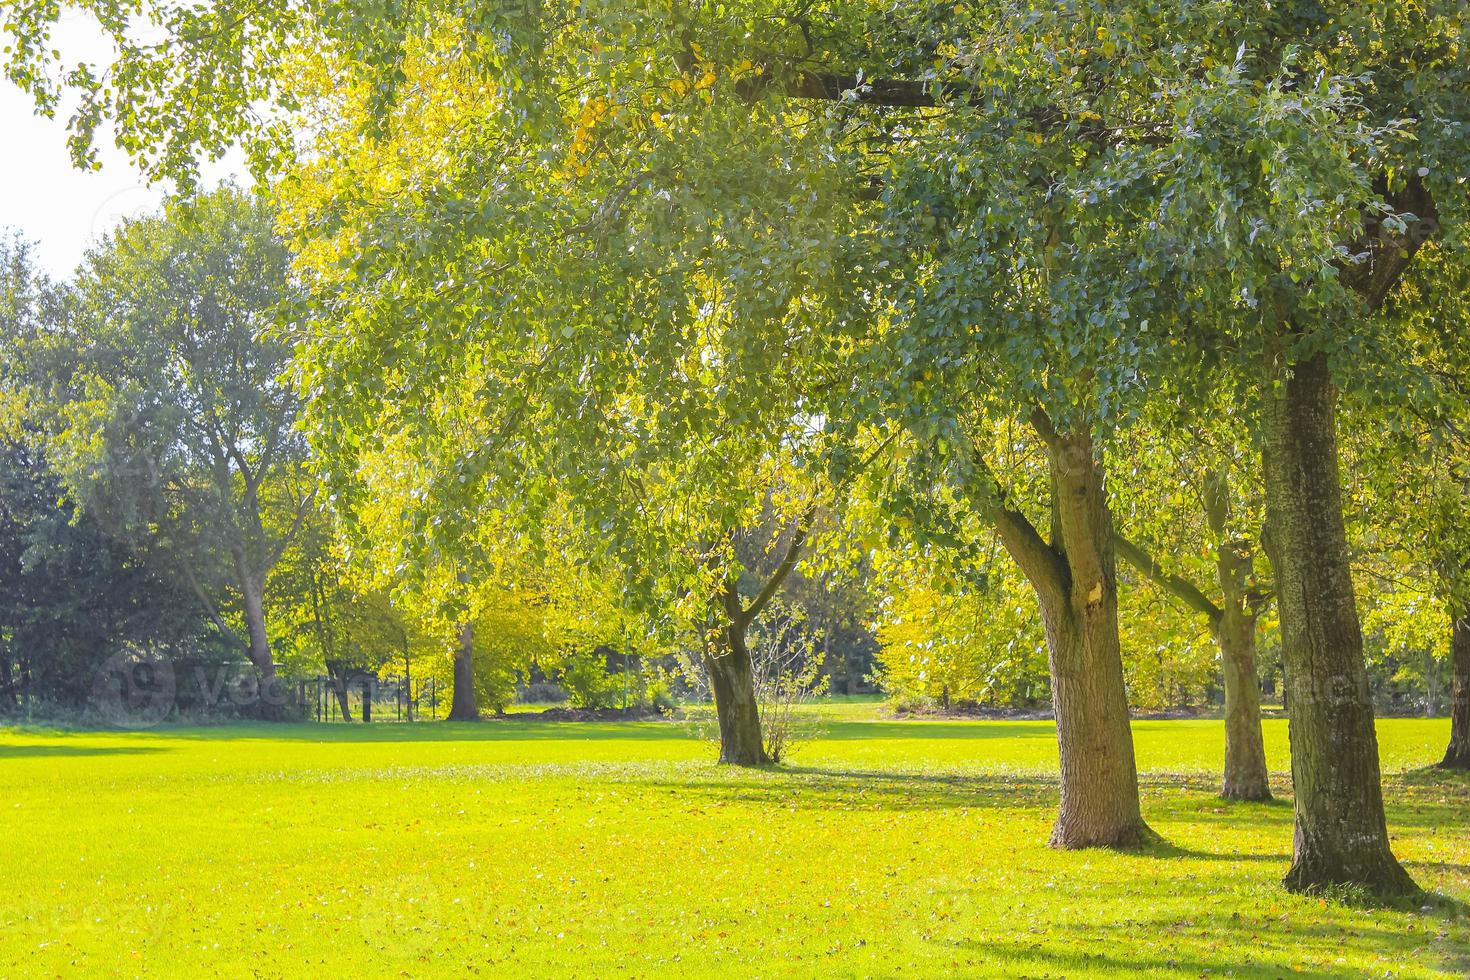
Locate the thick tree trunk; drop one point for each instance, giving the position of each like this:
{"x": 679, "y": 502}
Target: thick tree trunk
{"x": 1099, "y": 781}
{"x": 1099, "y": 778}
{"x": 463, "y": 706}
{"x": 1246, "y": 777}
{"x": 1341, "y": 836}
{"x": 367, "y": 698}
{"x": 1457, "y": 755}
{"x": 733, "y": 683}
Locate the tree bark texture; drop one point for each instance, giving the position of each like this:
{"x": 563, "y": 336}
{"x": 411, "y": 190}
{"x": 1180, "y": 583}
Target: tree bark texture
{"x": 733, "y": 682}
{"x": 1075, "y": 580}
{"x": 1246, "y": 776}
{"x": 252, "y": 593}
{"x": 463, "y": 706}
{"x": 1341, "y": 835}
{"x": 338, "y": 679}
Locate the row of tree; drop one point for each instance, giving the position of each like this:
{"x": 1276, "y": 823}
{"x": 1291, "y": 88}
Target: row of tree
{"x": 658, "y": 276}
{"x": 161, "y": 507}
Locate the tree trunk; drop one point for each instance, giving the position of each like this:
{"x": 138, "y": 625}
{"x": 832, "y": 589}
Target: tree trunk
{"x": 1246, "y": 777}
{"x": 1457, "y": 755}
{"x": 7, "y": 682}
{"x": 338, "y": 678}
{"x": 1245, "y": 751}
{"x": 367, "y": 698}
{"x": 1431, "y": 684}
{"x": 1099, "y": 779}
{"x": 251, "y": 590}
{"x": 733, "y": 682}
{"x": 1341, "y": 835}
{"x": 463, "y": 706}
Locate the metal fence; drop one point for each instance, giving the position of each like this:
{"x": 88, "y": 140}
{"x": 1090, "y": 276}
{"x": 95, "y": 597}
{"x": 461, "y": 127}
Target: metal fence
{"x": 370, "y": 698}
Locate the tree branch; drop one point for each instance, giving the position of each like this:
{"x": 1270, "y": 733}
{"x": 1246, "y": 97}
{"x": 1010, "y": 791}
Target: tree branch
{"x": 903, "y": 93}
{"x": 788, "y": 562}
{"x": 1043, "y": 566}
{"x": 209, "y": 607}
{"x": 1176, "y": 585}
{"x": 285, "y": 540}
{"x": 1384, "y": 250}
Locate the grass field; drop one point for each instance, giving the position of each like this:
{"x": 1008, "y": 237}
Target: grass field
{"x": 517, "y": 848}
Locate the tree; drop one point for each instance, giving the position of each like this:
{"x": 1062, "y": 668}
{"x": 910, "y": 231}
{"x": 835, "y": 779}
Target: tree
{"x": 1302, "y": 272}
{"x": 646, "y": 367}
{"x": 606, "y": 155}
{"x": 948, "y": 639}
{"x": 1278, "y": 145}
{"x": 75, "y": 604}
{"x": 1312, "y": 274}
{"x": 490, "y": 599}
{"x": 326, "y": 618}
{"x": 174, "y": 422}
{"x": 1410, "y": 439}
{"x": 728, "y": 655}
{"x": 1227, "y": 516}
{"x": 1457, "y": 752}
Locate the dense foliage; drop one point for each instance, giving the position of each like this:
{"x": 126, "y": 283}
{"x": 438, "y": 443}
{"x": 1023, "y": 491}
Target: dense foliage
{"x": 1041, "y": 332}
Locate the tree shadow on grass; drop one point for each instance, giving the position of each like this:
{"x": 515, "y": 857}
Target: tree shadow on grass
{"x": 1418, "y": 800}
{"x": 817, "y": 788}
{"x": 521, "y": 728}
{"x": 1165, "y": 849}
{"x": 507, "y": 729}
{"x": 66, "y": 751}
{"x": 1427, "y": 798}
{"x": 1432, "y": 905}
{"x": 951, "y": 730}
{"x": 1021, "y": 958}
{"x": 1231, "y": 946}
{"x": 1433, "y": 776}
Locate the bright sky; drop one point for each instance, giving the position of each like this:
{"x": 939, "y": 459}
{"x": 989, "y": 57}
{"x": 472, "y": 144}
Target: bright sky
{"x": 65, "y": 210}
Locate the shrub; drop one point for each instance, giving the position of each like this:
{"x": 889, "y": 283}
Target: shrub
{"x": 787, "y": 674}
{"x": 588, "y": 683}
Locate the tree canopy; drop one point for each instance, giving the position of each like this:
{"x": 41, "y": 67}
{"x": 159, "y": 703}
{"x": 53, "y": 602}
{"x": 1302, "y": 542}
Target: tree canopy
{"x": 662, "y": 296}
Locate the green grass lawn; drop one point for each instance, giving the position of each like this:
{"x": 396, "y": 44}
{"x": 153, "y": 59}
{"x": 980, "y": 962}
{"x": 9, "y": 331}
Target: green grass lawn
{"x": 516, "y": 848}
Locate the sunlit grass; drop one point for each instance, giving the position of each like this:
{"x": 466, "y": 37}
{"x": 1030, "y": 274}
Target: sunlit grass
{"x": 527, "y": 848}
